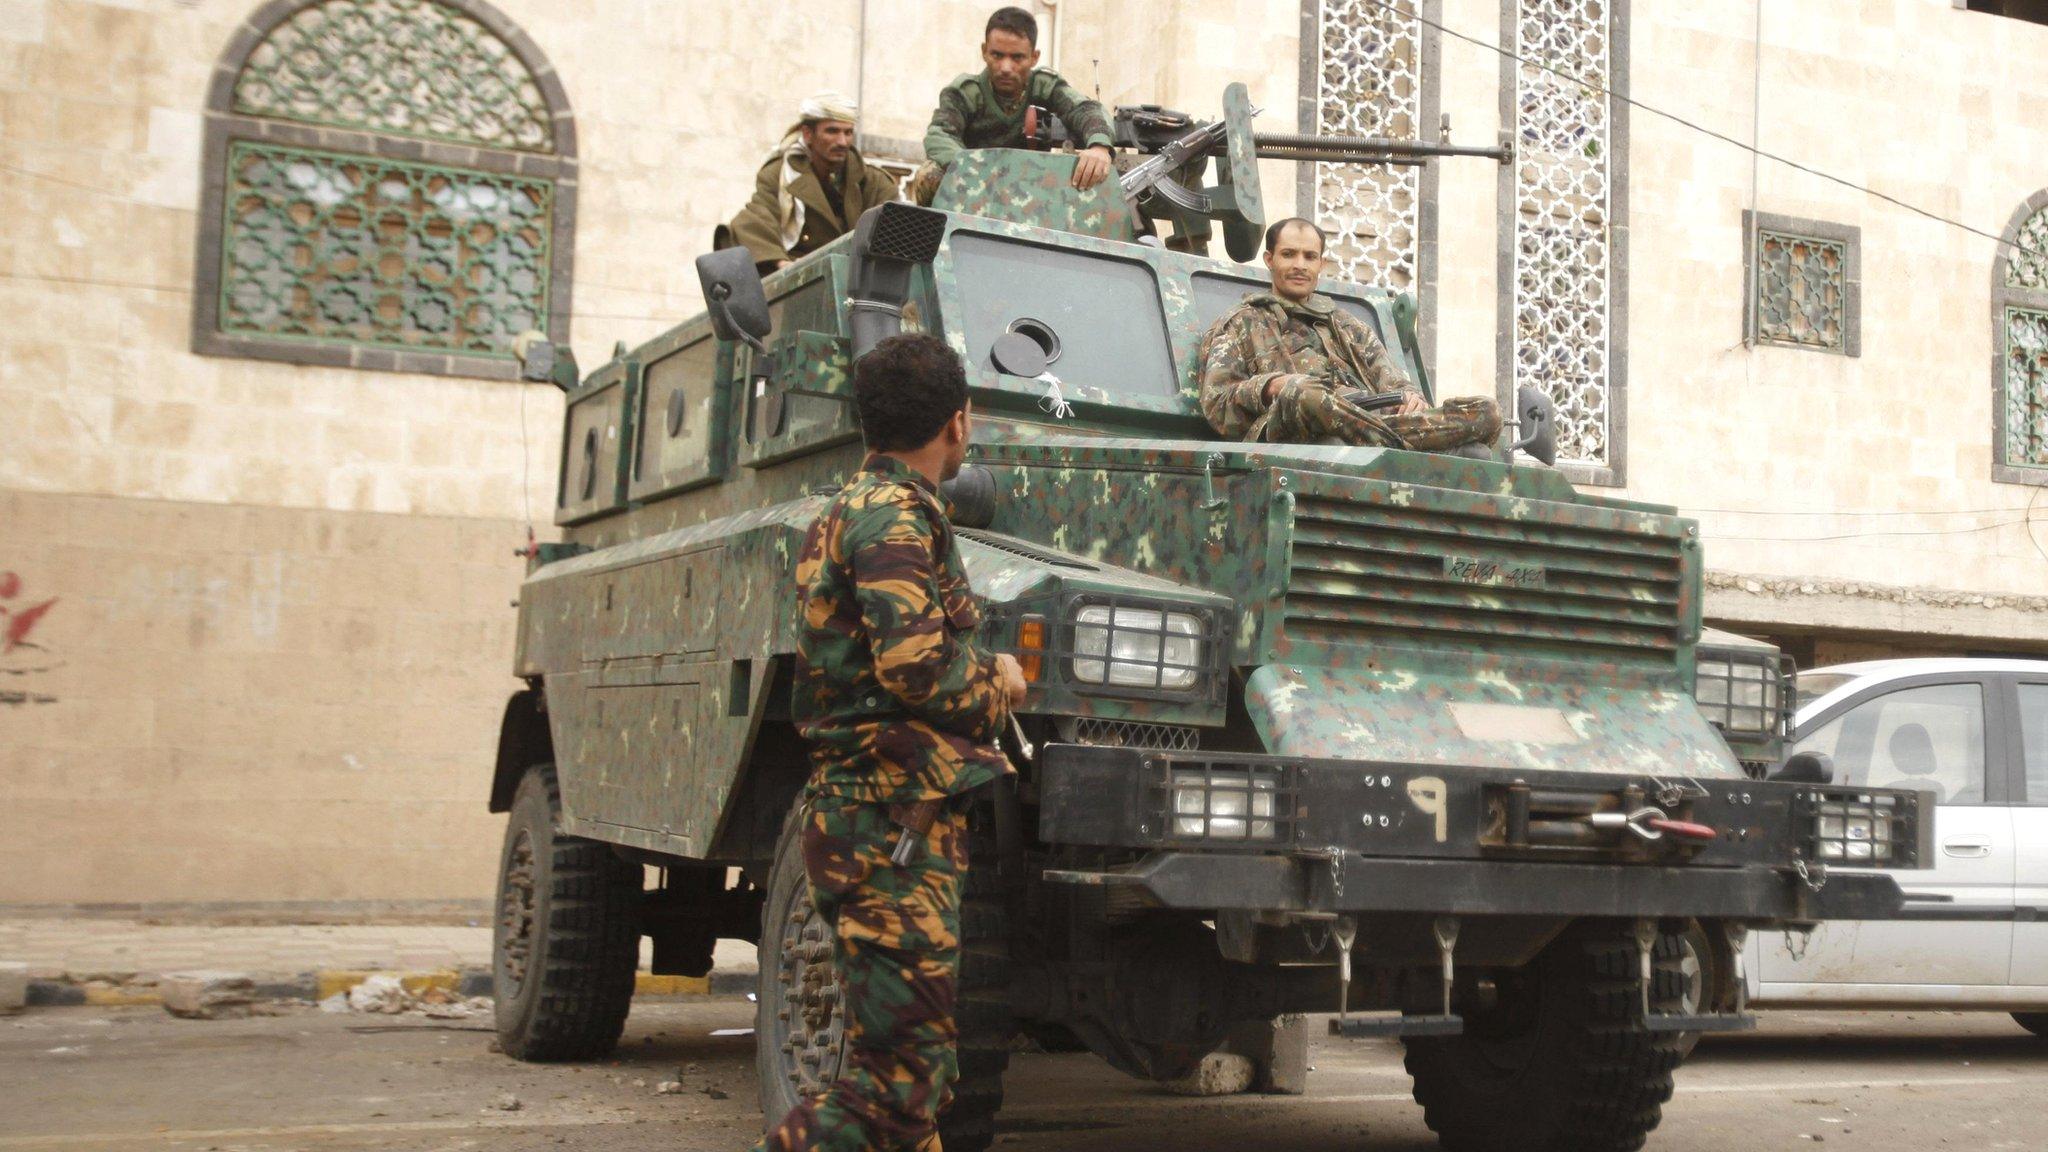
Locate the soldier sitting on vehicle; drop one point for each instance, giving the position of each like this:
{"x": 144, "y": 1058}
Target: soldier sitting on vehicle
{"x": 812, "y": 188}
{"x": 987, "y": 110}
{"x": 1289, "y": 366}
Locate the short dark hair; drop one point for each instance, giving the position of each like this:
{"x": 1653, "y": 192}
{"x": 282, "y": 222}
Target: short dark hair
{"x": 1273, "y": 233}
{"x": 904, "y": 391}
{"x": 1015, "y": 21}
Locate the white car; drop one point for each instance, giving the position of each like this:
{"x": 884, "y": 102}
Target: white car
{"x": 1974, "y": 930}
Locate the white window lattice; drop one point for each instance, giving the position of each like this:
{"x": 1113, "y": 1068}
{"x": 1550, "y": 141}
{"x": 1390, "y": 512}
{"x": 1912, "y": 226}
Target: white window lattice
{"x": 2028, "y": 267}
{"x": 1562, "y": 254}
{"x": 1370, "y": 59}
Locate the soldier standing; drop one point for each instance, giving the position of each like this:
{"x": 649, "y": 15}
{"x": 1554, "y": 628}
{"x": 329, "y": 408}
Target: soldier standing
{"x": 901, "y": 707}
{"x": 986, "y": 110}
{"x": 1286, "y": 366}
{"x": 812, "y": 187}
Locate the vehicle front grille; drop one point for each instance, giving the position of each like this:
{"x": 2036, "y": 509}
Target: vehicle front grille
{"x": 1134, "y": 734}
{"x": 1403, "y": 566}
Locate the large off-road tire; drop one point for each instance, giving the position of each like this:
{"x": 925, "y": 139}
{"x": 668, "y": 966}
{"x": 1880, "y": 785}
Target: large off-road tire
{"x": 2035, "y": 1022}
{"x": 566, "y": 941}
{"x": 800, "y": 1034}
{"x": 1559, "y": 1063}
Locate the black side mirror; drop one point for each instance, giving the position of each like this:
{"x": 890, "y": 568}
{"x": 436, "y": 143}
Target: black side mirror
{"x": 1806, "y": 768}
{"x": 972, "y": 494}
{"x": 734, "y": 296}
{"x": 1536, "y": 423}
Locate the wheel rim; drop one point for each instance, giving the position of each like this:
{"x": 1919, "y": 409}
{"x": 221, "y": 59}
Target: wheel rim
{"x": 815, "y": 1028}
{"x": 1692, "y": 975}
{"x": 516, "y": 915}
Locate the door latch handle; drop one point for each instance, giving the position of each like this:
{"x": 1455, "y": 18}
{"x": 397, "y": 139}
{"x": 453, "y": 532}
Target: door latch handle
{"x": 1966, "y": 847}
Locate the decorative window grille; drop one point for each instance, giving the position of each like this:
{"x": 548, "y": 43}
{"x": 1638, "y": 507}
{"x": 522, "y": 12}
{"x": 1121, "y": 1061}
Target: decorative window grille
{"x": 2026, "y": 388}
{"x": 2020, "y": 340}
{"x": 1803, "y": 283}
{"x": 393, "y": 188}
{"x": 1369, "y": 81}
{"x": 1565, "y": 306}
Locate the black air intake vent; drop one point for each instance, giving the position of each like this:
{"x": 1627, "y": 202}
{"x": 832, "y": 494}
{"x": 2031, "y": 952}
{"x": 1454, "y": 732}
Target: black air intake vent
{"x": 906, "y": 232}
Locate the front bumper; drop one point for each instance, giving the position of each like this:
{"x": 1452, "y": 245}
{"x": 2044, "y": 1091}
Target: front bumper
{"x": 1359, "y": 836}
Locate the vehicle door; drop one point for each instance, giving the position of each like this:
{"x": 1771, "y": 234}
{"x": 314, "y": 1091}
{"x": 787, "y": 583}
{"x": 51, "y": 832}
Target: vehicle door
{"x": 1931, "y": 733}
{"x": 2028, "y": 697}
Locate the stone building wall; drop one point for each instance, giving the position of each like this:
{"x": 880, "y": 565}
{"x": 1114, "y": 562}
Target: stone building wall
{"x": 281, "y": 638}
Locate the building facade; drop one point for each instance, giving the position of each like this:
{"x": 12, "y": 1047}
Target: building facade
{"x": 266, "y": 465}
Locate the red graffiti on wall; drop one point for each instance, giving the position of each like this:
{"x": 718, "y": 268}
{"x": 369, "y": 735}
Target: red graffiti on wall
{"x": 17, "y": 622}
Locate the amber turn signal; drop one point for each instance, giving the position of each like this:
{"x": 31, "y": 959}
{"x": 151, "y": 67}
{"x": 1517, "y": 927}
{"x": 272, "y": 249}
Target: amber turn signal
{"x": 1031, "y": 647}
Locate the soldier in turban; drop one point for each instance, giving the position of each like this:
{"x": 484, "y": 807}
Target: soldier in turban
{"x": 812, "y": 188}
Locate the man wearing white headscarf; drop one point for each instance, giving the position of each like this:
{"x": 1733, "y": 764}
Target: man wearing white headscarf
{"x": 812, "y": 188}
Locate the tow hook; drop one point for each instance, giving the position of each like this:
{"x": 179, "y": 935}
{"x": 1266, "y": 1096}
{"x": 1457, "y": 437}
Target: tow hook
{"x": 1650, "y": 823}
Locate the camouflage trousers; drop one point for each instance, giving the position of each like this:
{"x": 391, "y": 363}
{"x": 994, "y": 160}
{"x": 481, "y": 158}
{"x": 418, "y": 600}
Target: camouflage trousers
{"x": 1309, "y": 411}
{"x": 896, "y": 933}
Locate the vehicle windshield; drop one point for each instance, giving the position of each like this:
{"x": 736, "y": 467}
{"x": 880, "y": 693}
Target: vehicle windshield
{"x": 1814, "y": 685}
{"x": 1097, "y": 315}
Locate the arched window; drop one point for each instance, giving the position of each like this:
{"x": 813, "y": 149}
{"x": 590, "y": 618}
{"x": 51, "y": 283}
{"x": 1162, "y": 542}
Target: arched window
{"x": 2019, "y": 315}
{"x": 390, "y": 184}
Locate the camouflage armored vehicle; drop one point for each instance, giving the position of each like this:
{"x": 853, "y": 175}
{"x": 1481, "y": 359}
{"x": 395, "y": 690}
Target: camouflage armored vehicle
{"x": 1409, "y": 738}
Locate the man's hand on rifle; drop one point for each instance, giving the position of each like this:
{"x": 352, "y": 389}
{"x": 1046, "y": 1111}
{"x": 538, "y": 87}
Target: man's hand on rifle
{"x": 1411, "y": 402}
{"x": 1091, "y": 167}
{"x": 1011, "y": 676}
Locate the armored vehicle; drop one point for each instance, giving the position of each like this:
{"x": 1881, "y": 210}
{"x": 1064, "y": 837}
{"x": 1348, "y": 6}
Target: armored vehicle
{"x": 1406, "y": 738}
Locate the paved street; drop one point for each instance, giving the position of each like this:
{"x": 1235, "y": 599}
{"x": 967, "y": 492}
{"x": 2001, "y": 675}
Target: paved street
{"x": 86, "y": 1080}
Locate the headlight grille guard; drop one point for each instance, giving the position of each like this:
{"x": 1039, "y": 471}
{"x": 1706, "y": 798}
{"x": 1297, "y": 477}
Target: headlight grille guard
{"x": 1911, "y": 838}
{"x": 1212, "y": 647}
{"x": 1718, "y": 665}
{"x": 1214, "y": 778}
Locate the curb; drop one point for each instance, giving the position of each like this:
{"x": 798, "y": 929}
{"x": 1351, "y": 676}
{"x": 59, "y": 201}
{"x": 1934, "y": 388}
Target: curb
{"x": 68, "y": 992}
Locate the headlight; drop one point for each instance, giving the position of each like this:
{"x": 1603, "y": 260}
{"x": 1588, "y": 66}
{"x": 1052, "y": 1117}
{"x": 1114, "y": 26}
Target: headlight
{"x": 1742, "y": 694}
{"x": 1144, "y": 647}
{"x": 1849, "y": 831}
{"x": 1224, "y": 805}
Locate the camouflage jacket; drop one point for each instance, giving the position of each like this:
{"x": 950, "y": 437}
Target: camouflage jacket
{"x": 970, "y": 116}
{"x": 1265, "y": 337}
{"x": 897, "y": 700}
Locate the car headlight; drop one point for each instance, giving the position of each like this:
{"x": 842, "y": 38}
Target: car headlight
{"x": 1137, "y": 647}
{"x": 1742, "y": 694}
{"x": 1224, "y": 805}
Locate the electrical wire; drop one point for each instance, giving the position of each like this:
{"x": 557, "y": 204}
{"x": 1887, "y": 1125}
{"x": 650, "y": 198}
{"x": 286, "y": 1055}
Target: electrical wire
{"x": 1876, "y": 535}
{"x": 1390, "y": 7}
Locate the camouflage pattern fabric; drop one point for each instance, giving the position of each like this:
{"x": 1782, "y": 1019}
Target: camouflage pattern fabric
{"x": 1317, "y": 352}
{"x": 898, "y": 702}
{"x": 970, "y": 115}
{"x": 896, "y": 947}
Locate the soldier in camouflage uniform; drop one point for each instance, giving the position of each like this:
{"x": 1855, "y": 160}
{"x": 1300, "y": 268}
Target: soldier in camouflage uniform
{"x": 986, "y": 110}
{"x": 901, "y": 708}
{"x": 1280, "y": 366}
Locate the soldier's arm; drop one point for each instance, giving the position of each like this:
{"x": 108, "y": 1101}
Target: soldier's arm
{"x": 759, "y": 224}
{"x": 1083, "y": 117}
{"x": 940, "y": 677}
{"x": 1233, "y": 393}
{"x": 945, "y": 138}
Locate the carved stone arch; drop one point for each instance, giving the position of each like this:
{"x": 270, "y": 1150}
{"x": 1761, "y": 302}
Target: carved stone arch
{"x": 2019, "y": 346}
{"x": 379, "y": 225}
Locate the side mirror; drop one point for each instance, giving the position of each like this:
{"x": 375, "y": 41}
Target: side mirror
{"x": 1806, "y": 768}
{"x": 972, "y": 495}
{"x": 1536, "y": 421}
{"x": 734, "y": 296}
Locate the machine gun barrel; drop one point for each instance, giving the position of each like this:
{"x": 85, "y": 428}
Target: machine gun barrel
{"x": 1372, "y": 149}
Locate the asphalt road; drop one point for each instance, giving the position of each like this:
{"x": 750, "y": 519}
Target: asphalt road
{"x": 83, "y": 1079}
